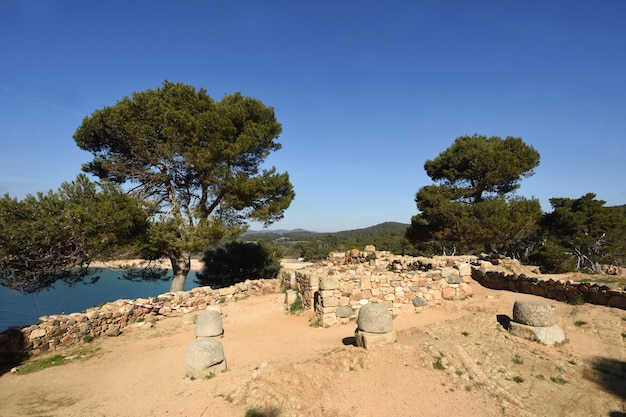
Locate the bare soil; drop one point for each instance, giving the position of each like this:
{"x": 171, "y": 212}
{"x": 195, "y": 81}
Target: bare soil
{"x": 454, "y": 358}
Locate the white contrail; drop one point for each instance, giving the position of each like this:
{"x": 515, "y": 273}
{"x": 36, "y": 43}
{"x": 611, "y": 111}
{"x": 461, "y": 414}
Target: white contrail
{"x": 58, "y": 106}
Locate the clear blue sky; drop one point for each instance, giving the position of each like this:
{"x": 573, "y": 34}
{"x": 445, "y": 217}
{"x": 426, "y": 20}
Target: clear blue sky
{"x": 366, "y": 91}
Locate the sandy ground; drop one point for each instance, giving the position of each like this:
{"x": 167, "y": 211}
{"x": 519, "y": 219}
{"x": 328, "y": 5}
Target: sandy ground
{"x": 282, "y": 366}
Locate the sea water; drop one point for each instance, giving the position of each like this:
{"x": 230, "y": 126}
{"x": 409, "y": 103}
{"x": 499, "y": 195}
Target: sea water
{"x": 18, "y": 309}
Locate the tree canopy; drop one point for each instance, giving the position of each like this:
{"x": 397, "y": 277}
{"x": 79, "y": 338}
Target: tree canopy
{"x": 197, "y": 160}
{"x": 239, "y": 261}
{"x": 473, "y": 199}
{"x": 582, "y": 234}
{"x": 55, "y": 236}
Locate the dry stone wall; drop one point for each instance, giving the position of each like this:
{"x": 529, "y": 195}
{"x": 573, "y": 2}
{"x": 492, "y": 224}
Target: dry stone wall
{"x": 110, "y": 319}
{"x": 337, "y": 288}
{"x": 499, "y": 278}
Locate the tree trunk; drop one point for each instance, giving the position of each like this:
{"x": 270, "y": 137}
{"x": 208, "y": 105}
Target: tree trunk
{"x": 181, "y": 265}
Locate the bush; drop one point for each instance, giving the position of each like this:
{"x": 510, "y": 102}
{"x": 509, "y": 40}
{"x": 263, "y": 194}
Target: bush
{"x": 553, "y": 260}
{"x": 238, "y": 261}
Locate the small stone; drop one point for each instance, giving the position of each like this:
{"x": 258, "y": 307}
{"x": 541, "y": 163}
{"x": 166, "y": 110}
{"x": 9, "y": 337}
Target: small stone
{"x": 418, "y": 302}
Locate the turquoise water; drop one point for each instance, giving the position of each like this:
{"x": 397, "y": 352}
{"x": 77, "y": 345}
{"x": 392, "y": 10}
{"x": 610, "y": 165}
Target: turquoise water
{"x": 24, "y": 309}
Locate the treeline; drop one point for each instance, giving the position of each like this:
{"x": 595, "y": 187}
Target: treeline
{"x": 313, "y": 246}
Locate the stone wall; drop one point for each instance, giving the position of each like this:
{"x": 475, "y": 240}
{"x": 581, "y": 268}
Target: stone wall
{"x": 337, "y": 288}
{"x": 498, "y": 278}
{"x": 110, "y": 319}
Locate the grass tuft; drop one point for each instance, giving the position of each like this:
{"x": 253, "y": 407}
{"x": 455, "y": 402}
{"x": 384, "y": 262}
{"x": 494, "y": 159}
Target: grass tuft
{"x": 40, "y": 364}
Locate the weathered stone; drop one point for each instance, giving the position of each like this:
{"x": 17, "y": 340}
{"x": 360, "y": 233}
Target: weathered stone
{"x": 533, "y": 313}
{"x": 113, "y": 331}
{"x": 464, "y": 269}
{"x": 205, "y": 358}
{"x": 548, "y": 335}
{"x": 373, "y": 340}
{"x": 329, "y": 283}
{"x": 375, "y": 318}
{"x": 209, "y": 324}
{"x": 448, "y": 292}
{"x": 189, "y": 318}
{"x": 344, "y": 311}
{"x": 418, "y": 302}
{"x": 290, "y": 297}
{"x": 330, "y": 301}
{"x": 37, "y": 333}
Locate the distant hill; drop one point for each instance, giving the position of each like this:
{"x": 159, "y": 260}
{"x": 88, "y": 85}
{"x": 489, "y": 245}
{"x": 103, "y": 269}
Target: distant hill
{"x": 379, "y": 229}
{"x": 304, "y": 235}
{"x": 276, "y": 232}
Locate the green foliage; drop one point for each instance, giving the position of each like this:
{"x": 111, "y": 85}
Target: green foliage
{"x": 582, "y": 234}
{"x": 54, "y": 236}
{"x": 197, "y": 160}
{"x": 553, "y": 259}
{"x": 472, "y": 200}
{"x": 296, "y": 306}
{"x": 389, "y": 236}
{"x": 262, "y": 412}
{"x": 238, "y": 261}
{"x": 318, "y": 249}
{"x": 40, "y": 364}
{"x": 439, "y": 365}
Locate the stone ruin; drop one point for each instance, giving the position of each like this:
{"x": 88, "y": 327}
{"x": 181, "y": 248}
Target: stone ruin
{"x": 336, "y": 289}
{"x": 534, "y": 320}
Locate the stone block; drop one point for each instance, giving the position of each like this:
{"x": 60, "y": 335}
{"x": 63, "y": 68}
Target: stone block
{"x": 548, "y": 335}
{"x": 290, "y": 297}
{"x": 330, "y": 301}
{"x": 344, "y": 312}
{"x": 533, "y": 313}
{"x": 373, "y": 340}
{"x": 464, "y": 269}
{"x": 329, "y": 283}
{"x": 448, "y": 292}
{"x": 209, "y": 324}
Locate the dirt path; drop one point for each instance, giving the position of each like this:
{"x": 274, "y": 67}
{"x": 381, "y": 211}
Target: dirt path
{"x": 280, "y": 363}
